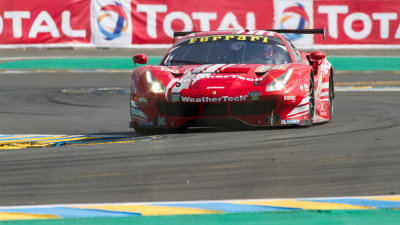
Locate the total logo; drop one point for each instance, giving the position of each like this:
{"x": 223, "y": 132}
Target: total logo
{"x": 112, "y": 25}
{"x": 112, "y": 22}
{"x": 294, "y": 14}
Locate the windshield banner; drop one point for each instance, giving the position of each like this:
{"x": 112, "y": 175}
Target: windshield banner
{"x": 135, "y": 23}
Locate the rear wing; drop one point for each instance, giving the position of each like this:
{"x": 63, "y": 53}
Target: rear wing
{"x": 292, "y": 31}
{"x": 181, "y": 34}
{"x": 305, "y": 31}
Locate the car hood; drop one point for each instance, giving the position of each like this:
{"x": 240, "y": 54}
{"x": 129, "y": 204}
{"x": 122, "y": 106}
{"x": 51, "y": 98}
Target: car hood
{"x": 215, "y": 80}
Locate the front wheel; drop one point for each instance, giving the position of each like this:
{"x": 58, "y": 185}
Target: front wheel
{"x": 149, "y": 131}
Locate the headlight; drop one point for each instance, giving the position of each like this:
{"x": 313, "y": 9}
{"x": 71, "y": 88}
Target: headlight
{"x": 280, "y": 82}
{"x": 154, "y": 84}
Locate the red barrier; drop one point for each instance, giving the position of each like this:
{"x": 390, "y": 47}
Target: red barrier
{"x": 358, "y": 22}
{"x": 138, "y": 22}
{"x": 44, "y": 22}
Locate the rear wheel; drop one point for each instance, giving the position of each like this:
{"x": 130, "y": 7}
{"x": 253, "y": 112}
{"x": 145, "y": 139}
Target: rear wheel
{"x": 311, "y": 102}
{"x": 331, "y": 96}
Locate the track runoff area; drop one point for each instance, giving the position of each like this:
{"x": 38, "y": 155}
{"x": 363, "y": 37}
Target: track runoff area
{"x": 343, "y": 210}
{"x": 23, "y": 65}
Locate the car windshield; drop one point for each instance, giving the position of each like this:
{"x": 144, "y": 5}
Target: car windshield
{"x": 228, "y": 49}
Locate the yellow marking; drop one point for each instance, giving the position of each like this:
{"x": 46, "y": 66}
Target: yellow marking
{"x": 357, "y": 88}
{"x": 23, "y": 216}
{"x": 368, "y": 83}
{"x": 386, "y": 198}
{"x": 104, "y": 142}
{"x": 30, "y": 139}
{"x": 304, "y": 204}
{"x": 242, "y": 37}
{"x": 362, "y": 87}
{"x": 204, "y": 39}
{"x": 228, "y": 37}
{"x": 265, "y": 39}
{"x": 253, "y": 38}
{"x": 192, "y": 40}
{"x": 149, "y": 210}
{"x": 216, "y": 38}
{"x": 72, "y": 139}
{"x": 20, "y": 136}
{"x": 41, "y": 142}
{"x": 9, "y": 146}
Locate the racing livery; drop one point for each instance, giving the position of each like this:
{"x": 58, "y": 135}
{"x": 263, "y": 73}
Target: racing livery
{"x": 256, "y": 77}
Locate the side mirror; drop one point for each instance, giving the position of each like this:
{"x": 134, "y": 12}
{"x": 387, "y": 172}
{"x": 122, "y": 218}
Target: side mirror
{"x": 140, "y": 59}
{"x": 317, "y": 56}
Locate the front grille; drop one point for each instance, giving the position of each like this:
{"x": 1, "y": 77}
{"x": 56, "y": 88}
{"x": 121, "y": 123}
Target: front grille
{"x": 179, "y": 109}
{"x": 252, "y": 108}
{"x": 215, "y": 110}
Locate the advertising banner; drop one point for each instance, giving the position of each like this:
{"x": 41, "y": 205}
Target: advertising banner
{"x": 145, "y": 23}
{"x": 358, "y": 22}
{"x": 44, "y": 22}
{"x": 155, "y": 22}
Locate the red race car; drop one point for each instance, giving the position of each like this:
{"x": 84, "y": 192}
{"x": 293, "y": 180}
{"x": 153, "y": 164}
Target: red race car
{"x": 256, "y": 77}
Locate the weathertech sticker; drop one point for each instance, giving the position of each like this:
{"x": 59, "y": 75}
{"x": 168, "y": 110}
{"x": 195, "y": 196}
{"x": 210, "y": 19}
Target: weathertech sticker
{"x": 214, "y": 100}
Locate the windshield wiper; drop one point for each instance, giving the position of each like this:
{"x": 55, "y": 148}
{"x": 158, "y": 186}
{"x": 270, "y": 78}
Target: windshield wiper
{"x": 186, "y": 61}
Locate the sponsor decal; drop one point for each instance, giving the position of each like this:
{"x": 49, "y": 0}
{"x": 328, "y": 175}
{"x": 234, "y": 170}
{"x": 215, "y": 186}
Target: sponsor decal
{"x": 171, "y": 70}
{"x": 289, "y": 98}
{"x": 281, "y": 67}
{"x": 306, "y": 88}
{"x": 111, "y": 22}
{"x": 324, "y": 68}
{"x": 214, "y": 100}
{"x": 143, "y": 100}
{"x": 161, "y": 121}
{"x": 146, "y": 124}
{"x": 214, "y": 87}
{"x": 294, "y": 14}
{"x": 209, "y": 76}
{"x": 138, "y": 100}
{"x": 255, "y": 38}
{"x": 287, "y": 122}
{"x": 262, "y": 69}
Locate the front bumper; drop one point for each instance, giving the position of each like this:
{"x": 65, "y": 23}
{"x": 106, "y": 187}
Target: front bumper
{"x": 269, "y": 111}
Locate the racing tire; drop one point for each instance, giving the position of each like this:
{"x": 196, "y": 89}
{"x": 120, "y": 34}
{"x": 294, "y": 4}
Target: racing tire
{"x": 311, "y": 102}
{"x": 149, "y": 131}
{"x": 331, "y": 97}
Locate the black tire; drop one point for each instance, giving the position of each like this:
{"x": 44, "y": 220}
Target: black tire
{"x": 311, "y": 102}
{"x": 331, "y": 97}
{"x": 149, "y": 131}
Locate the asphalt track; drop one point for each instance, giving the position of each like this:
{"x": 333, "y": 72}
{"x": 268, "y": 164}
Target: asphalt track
{"x": 357, "y": 154}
